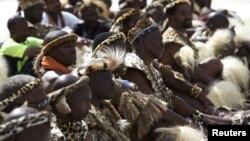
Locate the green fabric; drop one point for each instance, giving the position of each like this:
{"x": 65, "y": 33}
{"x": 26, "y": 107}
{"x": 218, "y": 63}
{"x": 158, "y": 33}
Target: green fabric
{"x": 14, "y": 49}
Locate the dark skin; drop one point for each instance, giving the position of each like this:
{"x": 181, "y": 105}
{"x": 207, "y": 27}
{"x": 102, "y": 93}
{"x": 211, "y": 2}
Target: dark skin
{"x": 35, "y": 98}
{"x": 65, "y": 54}
{"x": 53, "y": 8}
{"x": 108, "y": 90}
{"x": 34, "y": 14}
{"x": 79, "y": 101}
{"x": 180, "y": 21}
{"x": 19, "y": 33}
{"x": 39, "y": 132}
{"x": 145, "y": 51}
{"x": 90, "y": 16}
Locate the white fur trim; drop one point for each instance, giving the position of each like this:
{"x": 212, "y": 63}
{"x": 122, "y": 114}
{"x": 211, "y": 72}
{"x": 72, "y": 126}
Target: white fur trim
{"x": 225, "y": 93}
{"x": 242, "y": 35}
{"x": 123, "y": 124}
{"x": 182, "y": 133}
{"x": 186, "y": 54}
{"x": 204, "y": 51}
{"x": 235, "y": 71}
{"x": 219, "y": 39}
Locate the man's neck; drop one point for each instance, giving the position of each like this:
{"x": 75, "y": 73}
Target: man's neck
{"x": 147, "y": 59}
{"x": 179, "y": 29}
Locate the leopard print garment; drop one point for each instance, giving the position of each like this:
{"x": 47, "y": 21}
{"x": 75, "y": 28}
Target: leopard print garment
{"x": 71, "y": 131}
{"x": 171, "y": 35}
{"x": 103, "y": 126}
{"x": 153, "y": 75}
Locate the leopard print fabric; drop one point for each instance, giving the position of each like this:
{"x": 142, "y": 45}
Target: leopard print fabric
{"x": 171, "y": 35}
{"x": 25, "y": 89}
{"x": 18, "y": 125}
{"x": 153, "y": 75}
{"x": 73, "y": 131}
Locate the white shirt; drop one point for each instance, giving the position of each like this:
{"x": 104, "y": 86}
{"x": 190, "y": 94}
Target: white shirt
{"x": 70, "y": 20}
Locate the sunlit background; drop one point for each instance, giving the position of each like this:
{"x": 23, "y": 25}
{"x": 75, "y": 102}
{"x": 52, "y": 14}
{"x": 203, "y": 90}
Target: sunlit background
{"x": 8, "y": 9}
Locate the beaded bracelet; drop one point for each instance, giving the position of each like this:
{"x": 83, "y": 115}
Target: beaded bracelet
{"x": 198, "y": 117}
{"x": 196, "y": 91}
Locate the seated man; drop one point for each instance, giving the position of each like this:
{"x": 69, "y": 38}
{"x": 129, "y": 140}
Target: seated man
{"x": 94, "y": 21}
{"x": 33, "y": 12}
{"x": 20, "y": 89}
{"x": 176, "y": 37}
{"x": 57, "y": 55}
{"x": 26, "y": 124}
{"x": 59, "y": 19}
{"x": 20, "y": 49}
{"x": 136, "y": 108}
{"x": 70, "y": 101}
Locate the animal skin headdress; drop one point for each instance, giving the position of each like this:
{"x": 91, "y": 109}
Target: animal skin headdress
{"x": 65, "y": 38}
{"x": 59, "y": 96}
{"x": 118, "y": 23}
{"x": 20, "y": 124}
{"x": 174, "y": 3}
{"x": 25, "y": 89}
{"x": 98, "y": 3}
{"x": 142, "y": 28}
{"x": 105, "y": 56}
{"x": 25, "y": 4}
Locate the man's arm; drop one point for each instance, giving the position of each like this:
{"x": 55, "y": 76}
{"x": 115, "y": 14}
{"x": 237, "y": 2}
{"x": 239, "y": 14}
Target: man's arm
{"x": 139, "y": 79}
{"x": 32, "y": 51}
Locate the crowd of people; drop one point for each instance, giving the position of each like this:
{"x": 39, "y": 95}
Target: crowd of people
{"x": 72, "y": 70}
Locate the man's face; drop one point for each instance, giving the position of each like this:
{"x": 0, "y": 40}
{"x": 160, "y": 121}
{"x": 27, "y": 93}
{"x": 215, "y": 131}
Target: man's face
{"x": 102, "y": 84}
{"x": 65, "y": 53}
{"x": 79, "y": 102}
{"x": 20, "y": 32}
{"x": 90, "y": 14}
{"x": 36, "y": 98}
{"x": 53, "y": 6}
{"x": 154, "y": 44}
{"x": 34, "y": 13}
{"x": 183, "y": 16}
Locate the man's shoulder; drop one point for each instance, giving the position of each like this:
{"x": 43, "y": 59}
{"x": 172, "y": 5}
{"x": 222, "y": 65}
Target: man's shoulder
{"x": 33, "y": 41}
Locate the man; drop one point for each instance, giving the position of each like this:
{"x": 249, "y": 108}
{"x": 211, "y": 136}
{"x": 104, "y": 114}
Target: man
{"x": 183, "y": 56}
{"x": 107, "y": 56}
{"x": 176, "y": 36}
{"x": 104, "y": 121}
{"x": 57, "y": 18}
{"x": 33, "y": 11}
{"x": 20, "y": 89}
{"x": 26, "y": 124}
{"x": 57, "y": 55}
{"x": 20, "y": 49}
{"x": 94, "y": 21}
{"x": 124, "y": 20}
{"x": 70, "y": 102}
